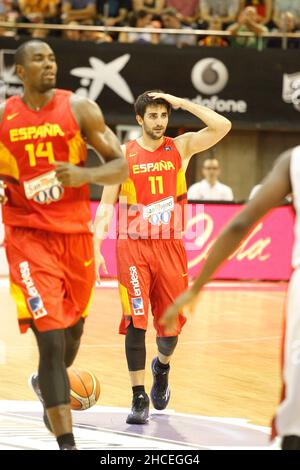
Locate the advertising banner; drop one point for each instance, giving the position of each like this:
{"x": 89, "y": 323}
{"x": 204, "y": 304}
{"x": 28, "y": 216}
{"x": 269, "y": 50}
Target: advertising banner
{"x": 254, "y": 89}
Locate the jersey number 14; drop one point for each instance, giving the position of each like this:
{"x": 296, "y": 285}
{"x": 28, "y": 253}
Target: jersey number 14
{"x": 41, "y": 150}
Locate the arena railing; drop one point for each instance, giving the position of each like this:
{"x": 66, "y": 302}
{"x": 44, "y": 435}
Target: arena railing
{"x": 117, "y": 29}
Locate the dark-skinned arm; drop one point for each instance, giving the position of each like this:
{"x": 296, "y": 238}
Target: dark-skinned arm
{"x": 91, "y": 122}
{"x": 275, "y": 188}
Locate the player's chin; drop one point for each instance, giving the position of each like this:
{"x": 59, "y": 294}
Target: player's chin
{"x": 48, "y": 84}
{"x": 156, "y": 135}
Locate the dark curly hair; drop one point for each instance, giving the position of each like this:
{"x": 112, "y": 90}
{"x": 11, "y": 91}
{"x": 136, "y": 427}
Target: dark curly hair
{"x": 145, "y": 100}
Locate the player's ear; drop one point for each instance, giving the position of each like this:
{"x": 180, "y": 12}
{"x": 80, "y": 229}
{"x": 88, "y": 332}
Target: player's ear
{"x": 20, "y": 71}
{"x": 139, "y": 119}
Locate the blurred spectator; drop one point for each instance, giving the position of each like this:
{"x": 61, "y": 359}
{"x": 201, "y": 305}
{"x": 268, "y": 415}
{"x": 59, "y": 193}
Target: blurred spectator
{"x": 214, "y": 41}
{"x": 225, "y": 10}
{"x": 263, "y": 7}
{"x": 282, "y": 6}
{"x": 247, "y": 22}
{"x": 9, "y": 12}
{"x": 97, "y": 37}
{"x": 7, "y": 6}
{"x": 171, "y": 20}
{"x": 3, "y": 31}
{"x": 151, "y": 6}
{"x": 38, "y": 11}
{"x": 188, "y": 10}
{"x": 39, "y": 33}
{"x": 113, "y": 12}
{"x": 210, "y": 188}
{"x": 286, "y": 24}
{"x": 72, "y": 35}
{"x": 139, "y": 19}
{"x": 78, "y": 10}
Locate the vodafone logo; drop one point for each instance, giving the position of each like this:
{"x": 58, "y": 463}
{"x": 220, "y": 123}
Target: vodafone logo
{"x": 209, "y": 76}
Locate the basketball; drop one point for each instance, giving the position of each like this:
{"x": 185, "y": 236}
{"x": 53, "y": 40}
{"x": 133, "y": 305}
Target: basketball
{"x": 84, "y": 389}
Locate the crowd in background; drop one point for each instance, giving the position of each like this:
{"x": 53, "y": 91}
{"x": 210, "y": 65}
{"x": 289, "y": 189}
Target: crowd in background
{"x": 235, "y": 16}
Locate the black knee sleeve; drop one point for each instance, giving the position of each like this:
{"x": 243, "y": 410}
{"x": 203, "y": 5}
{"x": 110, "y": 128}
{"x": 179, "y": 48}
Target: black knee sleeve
{"x": 166, "y": 346}
{"x": 73, "y": 336}
{"x": 135, "y": 348}
{"x": 53, "y": 379}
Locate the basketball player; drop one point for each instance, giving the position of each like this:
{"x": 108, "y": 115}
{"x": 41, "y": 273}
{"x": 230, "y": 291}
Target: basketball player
{"x": 151, "y": 259}
{"x": 48, "y": 236}
{"x": 281, "y": 181}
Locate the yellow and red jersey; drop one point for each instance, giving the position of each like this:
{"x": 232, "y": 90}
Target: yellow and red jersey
{"x": 30, "y": 141}
{"x": 153, "y": 198}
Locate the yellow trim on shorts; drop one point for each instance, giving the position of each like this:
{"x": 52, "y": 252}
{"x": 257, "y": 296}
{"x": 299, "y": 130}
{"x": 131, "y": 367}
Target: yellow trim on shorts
{"x": 87, "y": 308}
{"x": 20, "y": 300}
{"x": 124, "y": 300}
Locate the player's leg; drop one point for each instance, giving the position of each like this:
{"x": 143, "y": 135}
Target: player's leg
{"x": 79, "y": 281}
{"x": 72, "y": 341}
{"x": 171, "y": 281}
{"x": 43, "y": 309}
{"x": 134, "y": 280}
{"x": 135, "y": 349}
{"x": 287, "y": 419}
{"x": 54, "y": 384}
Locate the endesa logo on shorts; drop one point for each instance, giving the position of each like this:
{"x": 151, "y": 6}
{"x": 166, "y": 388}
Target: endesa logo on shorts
{"x": 137, "y": 306}
{"x": 137, "y": 301}
{"x": 34, "y": 302}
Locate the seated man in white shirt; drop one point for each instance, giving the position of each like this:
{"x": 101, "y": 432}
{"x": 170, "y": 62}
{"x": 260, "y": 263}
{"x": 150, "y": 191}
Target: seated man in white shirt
{"x": 210, "y": 189}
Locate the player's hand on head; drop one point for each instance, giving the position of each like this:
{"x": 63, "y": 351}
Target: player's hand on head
{"x": 3, "y": 198}
{"x": 69, "y": 174}
{"x": 174, "y": 101}
{"x": 188, "y": 300}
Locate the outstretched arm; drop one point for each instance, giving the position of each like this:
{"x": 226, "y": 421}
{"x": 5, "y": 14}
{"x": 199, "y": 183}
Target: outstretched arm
{"x": 274, "y": 189}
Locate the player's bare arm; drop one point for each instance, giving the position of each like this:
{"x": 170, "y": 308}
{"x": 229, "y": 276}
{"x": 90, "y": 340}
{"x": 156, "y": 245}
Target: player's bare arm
{"x": 103, "y": 218}
{"x": 104, "y": 215}
{"x": 275, "y": 188}
{"x": 91, "y": 122}
{"x": 188, "y": 144}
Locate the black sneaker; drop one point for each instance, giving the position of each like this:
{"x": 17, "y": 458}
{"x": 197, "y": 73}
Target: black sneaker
{"x": 160, "y": 391}
{"x": 140, "y": 409}
{"x": 34, "y": 383}
{"x": 290, "y": 443}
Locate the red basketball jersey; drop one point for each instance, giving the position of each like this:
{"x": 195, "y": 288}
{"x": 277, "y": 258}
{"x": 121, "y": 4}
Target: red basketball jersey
{"x": 29, "y": 143}
{"x": 152, "y": 199}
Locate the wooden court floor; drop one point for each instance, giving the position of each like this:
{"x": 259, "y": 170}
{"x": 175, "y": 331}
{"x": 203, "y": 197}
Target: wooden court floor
{"x": 227, "y": 363}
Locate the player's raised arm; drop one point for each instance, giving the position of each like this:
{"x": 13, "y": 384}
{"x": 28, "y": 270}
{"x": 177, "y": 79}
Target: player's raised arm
{"x": 217, "y": 126}
{"x": 275, "y": 188}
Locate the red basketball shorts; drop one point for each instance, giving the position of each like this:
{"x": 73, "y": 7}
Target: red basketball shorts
{"x": 52, "y": 276}
{"x": 150, "y": 271}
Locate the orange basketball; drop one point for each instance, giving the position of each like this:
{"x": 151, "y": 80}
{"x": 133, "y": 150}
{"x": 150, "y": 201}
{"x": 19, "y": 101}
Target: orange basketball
{"x": 85, "y": 389}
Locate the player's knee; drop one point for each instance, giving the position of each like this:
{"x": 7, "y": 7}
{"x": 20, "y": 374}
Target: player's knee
{"x": 51, "y": 348}
{"x": 76, "y": 331}
{"x": 166, "y": 346}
